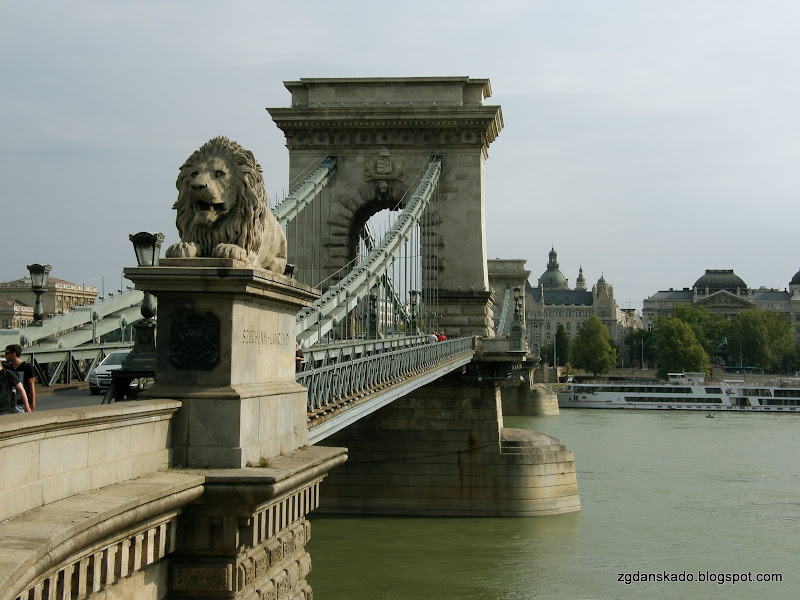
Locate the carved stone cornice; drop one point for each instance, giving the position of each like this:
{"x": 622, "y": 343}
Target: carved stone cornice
{"x": 476, "y": 125}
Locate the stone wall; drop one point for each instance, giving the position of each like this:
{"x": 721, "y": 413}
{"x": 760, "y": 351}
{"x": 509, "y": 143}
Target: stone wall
{"x": 50, "y": 455}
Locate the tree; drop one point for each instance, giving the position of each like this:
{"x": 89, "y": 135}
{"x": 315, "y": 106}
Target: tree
{"x": 641, "y": 347}
{"x": 709, "y": 330}
{"x": 546, "y": 353}
{"x": 563, "y": 351}
{"x": 759, "y": 338}
{"x": 678, "y": 349}
{"x": 592, "y": 350}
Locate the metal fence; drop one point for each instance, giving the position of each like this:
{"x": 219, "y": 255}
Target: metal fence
{"x": 348, "y": 371}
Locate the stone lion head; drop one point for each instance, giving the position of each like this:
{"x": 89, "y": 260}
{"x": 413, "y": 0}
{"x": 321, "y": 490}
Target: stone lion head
{"x": 222, "y": 209}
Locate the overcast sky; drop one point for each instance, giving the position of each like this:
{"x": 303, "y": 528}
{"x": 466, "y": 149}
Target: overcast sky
{"x": 647, "y": 140}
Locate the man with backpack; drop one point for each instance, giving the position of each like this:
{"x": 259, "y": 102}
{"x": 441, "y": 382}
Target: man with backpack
{"x": 8, "y": 382}
{"x": 24, "y": 371}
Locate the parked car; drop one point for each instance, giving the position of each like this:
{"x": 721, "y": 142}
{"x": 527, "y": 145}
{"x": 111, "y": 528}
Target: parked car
{"x": 100, "y": 376}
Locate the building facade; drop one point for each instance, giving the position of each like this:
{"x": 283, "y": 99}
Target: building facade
{"x": 724, "y": 293}
{"x": 553, "y": 302}
{"x": 17, "y": 300}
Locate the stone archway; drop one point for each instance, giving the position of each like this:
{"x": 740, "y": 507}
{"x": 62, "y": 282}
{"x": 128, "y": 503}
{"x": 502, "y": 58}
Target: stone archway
{"x": 383, "y": 132}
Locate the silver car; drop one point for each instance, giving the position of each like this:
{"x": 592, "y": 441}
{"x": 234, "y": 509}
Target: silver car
{"x": 100, "y": 376}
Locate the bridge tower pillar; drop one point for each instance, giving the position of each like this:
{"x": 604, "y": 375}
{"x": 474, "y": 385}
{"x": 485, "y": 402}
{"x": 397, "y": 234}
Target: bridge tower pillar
{"x": 382, "y": 132}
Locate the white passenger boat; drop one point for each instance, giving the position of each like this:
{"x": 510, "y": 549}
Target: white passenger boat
{"x": 683, "y": 391}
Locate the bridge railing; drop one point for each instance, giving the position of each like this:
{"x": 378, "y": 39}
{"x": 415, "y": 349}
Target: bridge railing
{"x": 347, "y": 372}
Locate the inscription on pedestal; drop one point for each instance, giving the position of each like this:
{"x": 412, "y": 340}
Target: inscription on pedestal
{"x": 195, "y": 341}
{"x": 264, "y": 338}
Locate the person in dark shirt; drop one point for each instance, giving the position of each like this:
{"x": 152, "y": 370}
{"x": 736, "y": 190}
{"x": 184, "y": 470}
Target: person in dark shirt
{"x": 24, "y": 371}
{"x": 8, "y": 382}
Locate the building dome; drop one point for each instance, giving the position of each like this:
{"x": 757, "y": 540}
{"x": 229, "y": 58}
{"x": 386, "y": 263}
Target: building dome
{"x": 553, "y": 278}
{"x": 796, "y": 279}
{"x": 602, "y": 280}
{"x": 720, "y": 279}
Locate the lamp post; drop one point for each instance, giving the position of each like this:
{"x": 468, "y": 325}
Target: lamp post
{"x": 517, "y": 335}
{"x": 143, "y": 355}
{"x": 39, "y": 286}
{"x": 372, "y": 332}
{"x": 147, "y": 247}
{"x": 413, "y": 302}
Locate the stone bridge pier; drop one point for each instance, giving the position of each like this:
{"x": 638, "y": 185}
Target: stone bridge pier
{"x": 443, "y": 450}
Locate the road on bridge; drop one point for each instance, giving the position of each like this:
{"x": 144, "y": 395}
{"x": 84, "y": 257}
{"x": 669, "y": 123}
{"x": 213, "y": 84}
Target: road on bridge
{"x": 66, "y": 398}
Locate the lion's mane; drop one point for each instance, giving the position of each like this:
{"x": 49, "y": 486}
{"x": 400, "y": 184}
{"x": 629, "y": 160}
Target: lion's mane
{"x": 249, "y": 224}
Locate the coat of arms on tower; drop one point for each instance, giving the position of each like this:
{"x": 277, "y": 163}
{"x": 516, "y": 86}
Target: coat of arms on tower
{"x": 384, "y": 167}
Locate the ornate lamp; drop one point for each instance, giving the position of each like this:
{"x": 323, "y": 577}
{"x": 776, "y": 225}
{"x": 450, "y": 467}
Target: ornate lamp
{"x": 142, "y": 357}
{"x": 38, "y": 286}
{"x": 372, "y": 332}
{"x": 517, "y": 335}
{"x": 147, "y": 247}
{"x": 413, "y": 294}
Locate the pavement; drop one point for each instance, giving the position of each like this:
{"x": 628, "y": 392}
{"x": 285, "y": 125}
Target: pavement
{"x": 42, "y": 390}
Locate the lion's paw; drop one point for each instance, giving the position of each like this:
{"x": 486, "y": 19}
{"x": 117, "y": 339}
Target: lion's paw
{"x": 181, "y": 250}
{"x": 229, "y": 251}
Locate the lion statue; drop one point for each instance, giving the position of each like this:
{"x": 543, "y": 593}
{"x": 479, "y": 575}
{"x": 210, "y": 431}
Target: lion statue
{"x": 222, "y": 209}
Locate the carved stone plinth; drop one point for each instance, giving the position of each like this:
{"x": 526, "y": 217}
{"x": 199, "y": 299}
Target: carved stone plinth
{"x": 226, "y": 348}
{"x": 245, "y": 538}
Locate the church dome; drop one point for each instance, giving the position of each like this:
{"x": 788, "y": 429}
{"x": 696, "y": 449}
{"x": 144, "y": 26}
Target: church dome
{"x": 720, "y": 279}
{"x": 553, "y": 278}
{"x": 796, "y": 279}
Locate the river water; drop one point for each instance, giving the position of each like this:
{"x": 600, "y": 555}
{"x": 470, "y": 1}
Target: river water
{"x": 665, "y": 494}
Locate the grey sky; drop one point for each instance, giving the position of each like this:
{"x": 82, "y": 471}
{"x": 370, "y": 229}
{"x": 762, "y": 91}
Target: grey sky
{"x": 647, "y": 140}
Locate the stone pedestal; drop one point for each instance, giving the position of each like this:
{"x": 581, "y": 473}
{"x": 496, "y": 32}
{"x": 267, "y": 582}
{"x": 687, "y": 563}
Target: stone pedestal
{"x": 245, "y": 537}
{"x": 226, "y": 347}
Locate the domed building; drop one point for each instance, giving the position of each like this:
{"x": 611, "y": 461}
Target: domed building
{"x": 553, "y": 302}
{"x": 553, "y": 278}
{"x": 724, "y": 293}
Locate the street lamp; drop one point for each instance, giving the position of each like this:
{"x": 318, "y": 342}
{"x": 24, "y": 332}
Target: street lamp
{"x": 517, "y": 335}
{"x": 142, "y": 358}
{"x": 39, "y": 286}
{"x": 413, "y": 297}
{"x": 373, "y": 314}
{"x": 147, "y": 247}
{"x": 517, "y": 302}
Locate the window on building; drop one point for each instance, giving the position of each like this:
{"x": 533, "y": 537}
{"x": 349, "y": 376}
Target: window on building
{"x": 548, "y": 336}
{"x": 558, "y": 313}
{"x": 548, "y": 326}
{"x": 567, "y": 326}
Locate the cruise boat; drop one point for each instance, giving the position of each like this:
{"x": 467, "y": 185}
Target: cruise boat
{"x": 683, "y": 391}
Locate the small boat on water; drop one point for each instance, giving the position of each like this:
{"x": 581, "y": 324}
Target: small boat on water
{"x": 683, "y": 391}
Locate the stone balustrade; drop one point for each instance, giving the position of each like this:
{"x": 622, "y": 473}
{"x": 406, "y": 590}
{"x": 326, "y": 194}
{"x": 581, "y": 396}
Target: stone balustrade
{"x": 51, "y": 455}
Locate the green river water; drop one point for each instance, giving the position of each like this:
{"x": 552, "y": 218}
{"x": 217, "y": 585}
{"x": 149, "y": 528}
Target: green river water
{"x": 665, "y": 494}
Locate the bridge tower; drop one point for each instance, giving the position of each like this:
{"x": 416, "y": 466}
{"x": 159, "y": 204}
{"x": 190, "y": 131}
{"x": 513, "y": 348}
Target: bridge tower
{"x": 383, "y": 132}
